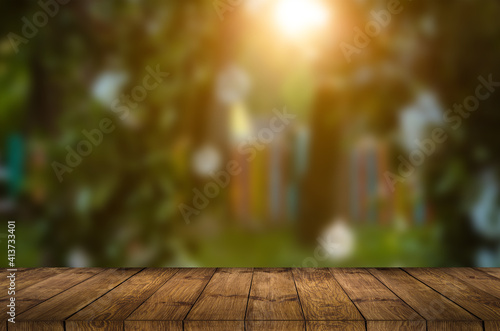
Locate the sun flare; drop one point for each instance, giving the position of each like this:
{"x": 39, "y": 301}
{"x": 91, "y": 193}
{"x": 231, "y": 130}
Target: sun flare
{"x": 296, "y": 17}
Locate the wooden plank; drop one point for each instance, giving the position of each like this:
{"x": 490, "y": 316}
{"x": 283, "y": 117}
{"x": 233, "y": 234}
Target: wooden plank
{"x": 321, "y": 296}
{"x": 21, "y": 306}
{"x": 491, "y": 325}
{"x": 94, "y": 326}
{"x": 423, "y": 299}
{"x": 119, "y": 303}
{"x": 153, "y": 325}
{"x": 275, "y": 325}
{"x": 335, "y": 325}
{"x": 476, "y": 278}
{"x": 495, "y": 272}
{"x": 225, "y": 297}
{"x": 455, "y": 326}
{"x": 28, "y": 277}
{"x": 37, "y": 326}
{"x": 396, "y": 325}
{"x": 273, "y": 296}
{"x": 214, "y": 326}
{"x": 478, "y": 302}
{"x": 5, "y": 282}
{"x": 31, "y": 276}
{"x": 72, "y": 300}
{"x": 46, "y": 288}
{"x": 174, "y": 299}
{"x": 375, "y": 301}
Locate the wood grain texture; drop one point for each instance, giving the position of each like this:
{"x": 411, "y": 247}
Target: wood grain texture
{"x": 44, "y": 289}
{"x": 275, "y": 325}
{"x": 454, "y": 326}
{"x": 225, "y": 297}
{"x": 94, "y": 326}
{"x": 4, "y": 281}
{"x": 214, "y": 326}
{"x": 335, "y": 325}
{"x": 175, "y": 298}
{"x": 491, "y": 325}
{"x": 321, "y": 297}
{"x": 153, "y": 326}
{"x": 478, "y": 302}
{"x": 70, "y": 301}
{"x": 373, "y": 299}
{"x": 495, "y": 272}
{"x": 37, "y": 326}
{"x": 423, "y": 299}
{"x": 273, "y": 296}
{"x": 476, "y": 278}
{"x": 4, "y": 272}
{"x": 28, "y": 277}
{"x": 258, "y": 299}
{"x": 396, "y": 325}
{"x": 125, "y": 298}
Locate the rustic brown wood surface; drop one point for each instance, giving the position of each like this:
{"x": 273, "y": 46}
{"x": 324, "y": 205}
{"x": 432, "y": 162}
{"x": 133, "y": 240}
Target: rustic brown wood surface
{"x": 322, "y": 297}
{"x": 173, "y": 300}
{"x": 375, "y": 301}
{"x": 255, "y": 299}
{"x": 125, "y": 298}
{"x": 273, "y": 296}
{"x": 478, "y": 302}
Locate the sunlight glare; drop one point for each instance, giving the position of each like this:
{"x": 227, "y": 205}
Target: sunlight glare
{"x": 295, "y": 17}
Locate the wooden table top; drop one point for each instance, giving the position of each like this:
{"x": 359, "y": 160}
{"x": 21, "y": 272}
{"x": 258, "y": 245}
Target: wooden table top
{"x": 255, "y": 299}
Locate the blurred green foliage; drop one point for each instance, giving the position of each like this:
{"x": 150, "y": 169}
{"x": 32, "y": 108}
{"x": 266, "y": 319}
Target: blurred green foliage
{"x": 120, "y": 205}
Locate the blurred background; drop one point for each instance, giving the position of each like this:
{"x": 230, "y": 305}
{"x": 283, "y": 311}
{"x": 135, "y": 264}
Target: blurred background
{"x": 284, "y": 134}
